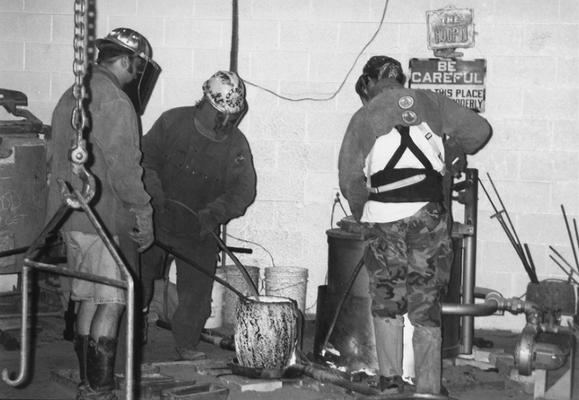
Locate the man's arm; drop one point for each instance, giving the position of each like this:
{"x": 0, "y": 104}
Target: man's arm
{"x": 465, "y": 127}
{"x": 351, "y": 165}
{"x": 153, "y": 161}
{"x": 240, "y": 183}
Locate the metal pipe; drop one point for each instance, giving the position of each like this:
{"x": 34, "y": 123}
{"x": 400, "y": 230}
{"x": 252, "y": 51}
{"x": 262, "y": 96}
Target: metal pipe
{"x": 130, "y": 353}
{"x": 24, "y": 345}
{"x": 469, "y": 245}
{"x": 177, "y": 254}
{"x": 482, "y": 309}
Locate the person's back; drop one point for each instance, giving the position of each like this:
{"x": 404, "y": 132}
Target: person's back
{"x": 113, "y": 136}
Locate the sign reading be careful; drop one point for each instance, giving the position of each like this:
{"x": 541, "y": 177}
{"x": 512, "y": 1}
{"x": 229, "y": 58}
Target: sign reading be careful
{"x": 462, "y": 81}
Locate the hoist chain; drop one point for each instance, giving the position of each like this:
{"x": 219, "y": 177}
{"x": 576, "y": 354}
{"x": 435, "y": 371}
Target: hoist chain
{"x": 80, "y": 120}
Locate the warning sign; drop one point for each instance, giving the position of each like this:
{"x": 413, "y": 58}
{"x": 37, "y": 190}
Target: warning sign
{"x": 462, "y": 81}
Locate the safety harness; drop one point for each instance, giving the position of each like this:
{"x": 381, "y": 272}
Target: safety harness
{"x": 396, "y": 185}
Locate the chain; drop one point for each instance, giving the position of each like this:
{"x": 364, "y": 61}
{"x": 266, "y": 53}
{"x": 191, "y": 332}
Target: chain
{"x": 78, "y": 154}
{"x": 79, "y": 67}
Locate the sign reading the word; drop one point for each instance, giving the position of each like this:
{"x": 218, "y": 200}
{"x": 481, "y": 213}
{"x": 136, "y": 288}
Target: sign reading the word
{"x": 450, "y": 28}
{"x": 462, "y": 81}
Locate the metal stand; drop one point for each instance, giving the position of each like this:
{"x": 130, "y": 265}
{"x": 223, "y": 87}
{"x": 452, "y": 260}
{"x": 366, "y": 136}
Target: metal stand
{"x": 562, "y": 387}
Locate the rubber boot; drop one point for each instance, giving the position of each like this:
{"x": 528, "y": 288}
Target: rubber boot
{"x": 81, "y": 350}
{"x": 101, "y": 368}
{"x": 427, "y": 343}
{"x": 389, "y": 340}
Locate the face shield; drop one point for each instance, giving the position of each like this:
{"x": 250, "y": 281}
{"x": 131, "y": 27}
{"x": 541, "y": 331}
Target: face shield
{"x": 141, "y": 88}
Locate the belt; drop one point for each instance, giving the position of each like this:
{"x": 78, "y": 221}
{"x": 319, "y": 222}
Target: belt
{"x": 398, "y": 184}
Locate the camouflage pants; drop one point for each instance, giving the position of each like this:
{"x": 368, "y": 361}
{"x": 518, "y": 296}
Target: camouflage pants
{"x": 408, "y": 263}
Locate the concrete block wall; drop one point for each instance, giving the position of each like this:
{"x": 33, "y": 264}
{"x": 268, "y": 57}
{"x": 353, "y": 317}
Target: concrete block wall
{"x": 305, "y": 48}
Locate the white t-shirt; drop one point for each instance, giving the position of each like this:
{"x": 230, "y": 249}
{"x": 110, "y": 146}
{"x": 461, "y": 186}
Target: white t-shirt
{"x": 382, "y": 151}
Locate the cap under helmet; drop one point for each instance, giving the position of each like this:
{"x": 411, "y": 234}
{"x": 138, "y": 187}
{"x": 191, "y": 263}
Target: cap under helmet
{"x": 382, "y": 67}
{"x": 226, "y": 92}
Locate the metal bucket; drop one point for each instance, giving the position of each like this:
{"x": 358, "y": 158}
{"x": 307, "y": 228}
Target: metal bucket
{"x": 266, "y": 331}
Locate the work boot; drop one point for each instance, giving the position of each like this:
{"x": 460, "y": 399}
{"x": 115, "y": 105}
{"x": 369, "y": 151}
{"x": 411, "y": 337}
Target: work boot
{"x": 428, "y": 355}
{"x": 81, "y": 350}
{"x": 388, "y": 333}
{"x": 101, "y": 369}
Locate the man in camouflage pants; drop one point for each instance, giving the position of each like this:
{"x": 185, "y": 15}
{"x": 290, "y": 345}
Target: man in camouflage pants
{"x": 391, "y": 168}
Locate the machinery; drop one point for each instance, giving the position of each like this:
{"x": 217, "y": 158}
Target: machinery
{"x": 546, "y": 344}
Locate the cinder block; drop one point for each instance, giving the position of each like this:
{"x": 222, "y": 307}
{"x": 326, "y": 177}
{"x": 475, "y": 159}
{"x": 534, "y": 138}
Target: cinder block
{"x": 526, "y": 12}
{"x": 175, "y": 61}
{"x": 62, "y": 29}
{"x": 490, "y": 41}
{"x": 537, "y": 106}
{"x": 194, "y": 33}
{"x": 48, "y": 57}
{"x": 293, "y": 155}
{"x": 260, "y": 35}
{"x": 274, "y": 65}
{"x": 505, "y": 101}
{"x": 36, "y": 85}
{"x": 49, "y": 7}
{"x": 183, "y": 8}
{"x": 11, "y": 5}
{"x": 295, "y": 10}
{"x": 571, "y": 11}
{"x": 319, "y": 158}
{"x": 220, "y": 9}
{"x": 308, "y": 36}
{"x": 344, "y": 10}
{"x": 115, "y": 7}
{"x": 12, "y": 56}
{"x": 519, "y": 71}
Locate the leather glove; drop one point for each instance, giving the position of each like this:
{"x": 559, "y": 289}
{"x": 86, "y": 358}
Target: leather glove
{"x": 143, "y": 233}
{"x": 455, "y": 158}
{"x": 207, "y": 223}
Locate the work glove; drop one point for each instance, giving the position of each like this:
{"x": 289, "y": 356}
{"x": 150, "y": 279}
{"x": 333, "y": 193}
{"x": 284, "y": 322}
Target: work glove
{"x": 143, "y": 233}
{"x": 208, "y": 223}
{"x": 455, "y": 158}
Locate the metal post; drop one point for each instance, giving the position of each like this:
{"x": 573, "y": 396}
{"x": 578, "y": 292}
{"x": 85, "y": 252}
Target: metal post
{"x": 469, "y": 262}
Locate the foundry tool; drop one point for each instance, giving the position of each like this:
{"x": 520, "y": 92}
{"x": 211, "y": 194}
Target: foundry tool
{"x": 571, "y": 237}
{"x": 510, "y": 231}
{"x": 323, "y": 348}
{"x": 78, "y": 199}
{"x": 224, "y": 248}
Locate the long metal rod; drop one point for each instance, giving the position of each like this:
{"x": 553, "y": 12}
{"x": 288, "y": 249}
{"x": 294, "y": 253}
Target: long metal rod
{"x": 130, "y": 353}
{"x": 341, "y": 303}
{"x": 223, "y": 247}
{"x": 24, "y": 344}
{"x": 568, "y": 273}
{"x": 511, "y": 235}
{"x": 469, "y": 262}
{"x": 570, "y": 237}
{"x": 178, "y": 254}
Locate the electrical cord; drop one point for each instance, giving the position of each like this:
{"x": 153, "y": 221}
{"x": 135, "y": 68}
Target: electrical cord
{"x": 345, "y": 78}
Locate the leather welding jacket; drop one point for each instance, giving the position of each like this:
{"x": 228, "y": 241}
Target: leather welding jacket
{"x": 384, "y": 112}
{"x": 203, "y": 174}
{"x": 113, "y": 145}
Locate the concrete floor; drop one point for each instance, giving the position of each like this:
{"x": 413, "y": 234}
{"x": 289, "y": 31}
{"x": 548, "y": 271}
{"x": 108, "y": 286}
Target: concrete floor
{"x": 53, "y": 354}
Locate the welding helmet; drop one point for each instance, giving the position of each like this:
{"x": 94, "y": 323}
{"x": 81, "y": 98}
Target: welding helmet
{"x": 225, "y": 91}
{"x": 135, "y": 44}
{"x": 376, "y": 69}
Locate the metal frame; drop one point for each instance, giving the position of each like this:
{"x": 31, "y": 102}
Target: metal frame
{"x": 30, "y": 264}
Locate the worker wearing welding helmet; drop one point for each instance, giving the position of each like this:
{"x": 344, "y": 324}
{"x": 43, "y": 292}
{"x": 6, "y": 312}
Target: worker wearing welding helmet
{"x": 391, "y": 168}
{"x": 199, "y": 171}
{"x": 121, "y": 202}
